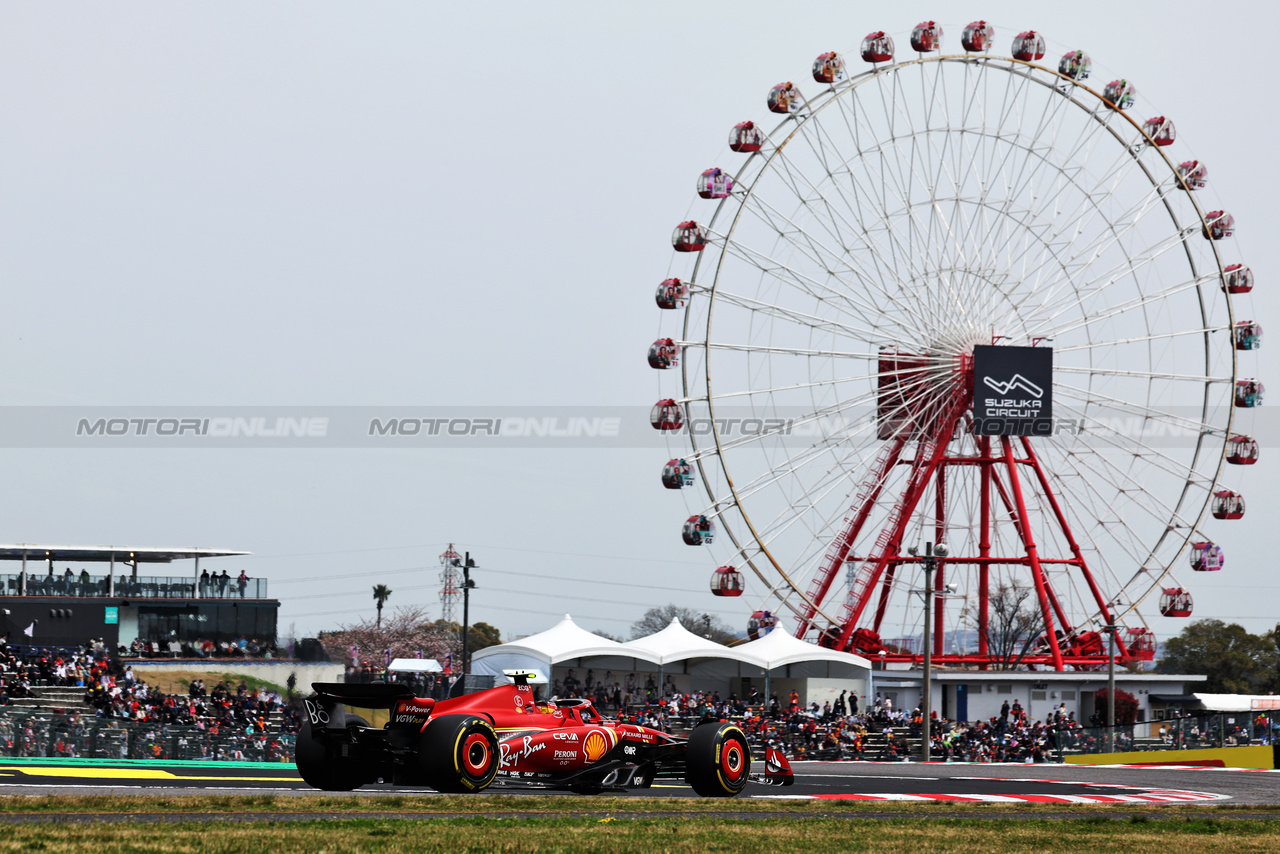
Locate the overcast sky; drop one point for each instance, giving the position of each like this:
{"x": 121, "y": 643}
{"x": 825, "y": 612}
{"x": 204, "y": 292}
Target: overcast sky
{"x": 343, "y": 204}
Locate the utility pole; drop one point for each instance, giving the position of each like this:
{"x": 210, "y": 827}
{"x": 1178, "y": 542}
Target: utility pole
{"x": 931, "y": 554}
{"x": 1111, "y": 687}
{"x": 467, "y": 585}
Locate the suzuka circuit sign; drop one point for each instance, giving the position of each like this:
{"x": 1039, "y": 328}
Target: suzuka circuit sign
{"x": 1012, "y": 391}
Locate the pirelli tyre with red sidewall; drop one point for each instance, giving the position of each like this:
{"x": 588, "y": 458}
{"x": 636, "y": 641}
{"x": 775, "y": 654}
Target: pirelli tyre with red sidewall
{"x": 718, "y": 760}
{"x": 458, "y": 753}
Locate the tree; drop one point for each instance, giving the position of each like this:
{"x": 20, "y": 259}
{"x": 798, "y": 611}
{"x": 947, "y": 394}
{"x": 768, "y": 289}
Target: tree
{"x": 406, "y": 633}
{"x": 482, "y": 635}
{"x": 1126, "y": 707}
{"x": 701, "y": 624}
{"x": 1014, "y": 625}
{"x": 479, "y": 635}
{"x": 1235, "y": 661}
{"x": 381, "y": 593}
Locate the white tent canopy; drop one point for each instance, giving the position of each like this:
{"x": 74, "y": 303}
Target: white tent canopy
{"x": 415, "y": 665}
{"x": 779, "y": 649}
{"x": 1235, "y": 702}
{"x": 676, "y": 643}
{"x": 565, "y": 641}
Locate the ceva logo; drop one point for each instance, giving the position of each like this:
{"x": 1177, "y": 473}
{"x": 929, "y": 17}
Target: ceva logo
{"x": 1018, "y": 381}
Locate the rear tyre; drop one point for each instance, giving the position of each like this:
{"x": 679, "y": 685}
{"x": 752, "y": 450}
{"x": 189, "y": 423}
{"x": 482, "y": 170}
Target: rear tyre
{"x": 332, "y": 774}
{"x": 458, "y": 754}
{"x": 717, "y": 760}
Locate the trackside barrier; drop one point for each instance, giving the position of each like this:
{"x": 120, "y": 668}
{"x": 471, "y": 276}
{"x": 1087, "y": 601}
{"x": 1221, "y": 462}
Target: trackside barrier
{"x": 40, "y": 734}
{"x": 1189, "y": 733}
{"x": 1257, "y": 756}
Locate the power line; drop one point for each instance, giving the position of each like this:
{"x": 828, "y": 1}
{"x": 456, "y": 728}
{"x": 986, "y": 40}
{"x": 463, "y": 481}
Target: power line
{"x": 482, "y": 546}
{"x": 559, "y": 613}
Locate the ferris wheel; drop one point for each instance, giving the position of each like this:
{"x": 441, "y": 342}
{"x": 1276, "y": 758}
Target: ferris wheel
{"x": 957, "y": 298}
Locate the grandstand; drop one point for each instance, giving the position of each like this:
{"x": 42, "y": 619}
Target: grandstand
{"x": 61, "y": 596}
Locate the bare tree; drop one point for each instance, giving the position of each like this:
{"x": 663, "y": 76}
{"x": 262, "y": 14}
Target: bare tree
{"x": 698, "y": 622}
{"x": 1014, "y": 625}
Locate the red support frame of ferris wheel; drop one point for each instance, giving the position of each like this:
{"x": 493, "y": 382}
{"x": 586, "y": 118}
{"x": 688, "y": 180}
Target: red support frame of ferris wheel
{"x": 932, "y": 437}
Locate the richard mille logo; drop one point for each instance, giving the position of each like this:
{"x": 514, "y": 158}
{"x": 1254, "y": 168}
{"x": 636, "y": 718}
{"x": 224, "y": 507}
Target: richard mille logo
{"x": 1018, "y": 381}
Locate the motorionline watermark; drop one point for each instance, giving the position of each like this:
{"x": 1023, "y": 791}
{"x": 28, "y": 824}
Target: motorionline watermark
{"x": 580, "y": 427}
{"x": 220, "y": 427}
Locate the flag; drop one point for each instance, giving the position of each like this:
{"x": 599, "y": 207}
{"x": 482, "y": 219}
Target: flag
{"x": 30, "y": 631}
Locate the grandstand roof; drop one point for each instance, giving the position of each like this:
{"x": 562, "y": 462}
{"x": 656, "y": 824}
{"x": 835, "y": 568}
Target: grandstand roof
{"x": 104, "y": 554}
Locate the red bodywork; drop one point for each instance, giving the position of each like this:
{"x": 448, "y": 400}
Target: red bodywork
{"x": 544, "y": 738}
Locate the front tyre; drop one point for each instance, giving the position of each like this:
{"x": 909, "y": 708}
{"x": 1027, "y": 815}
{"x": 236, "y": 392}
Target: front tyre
{"x": 717, "y": 760}
{"x": 458, "y": 754}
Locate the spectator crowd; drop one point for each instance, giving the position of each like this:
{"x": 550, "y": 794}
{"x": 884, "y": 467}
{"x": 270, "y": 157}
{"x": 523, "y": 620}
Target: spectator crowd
{"x": 241, "y": 647}
{"x": 124, "y": 717}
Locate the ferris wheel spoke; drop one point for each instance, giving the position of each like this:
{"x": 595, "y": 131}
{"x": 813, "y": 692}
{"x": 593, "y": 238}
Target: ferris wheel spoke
{"x": 1146, "y": 375}
{"x": 1023, "y": 146}
{"x": 1086, "y": 252}
{"x": 1124, "y": 442}
{"x": 1092, "y": 134}
{"x": 782, "y": 351}
{"x": 1119, "y": 309}
{"x": 881, "y": 265}
{"x": 810, "y": 418}
{"x": 785, "y": 274}
{"x": 768, "y": 309}
{"x": 834, "y": 381}
{"x": 1137, "y": 494}
{"x": 1097, "y": 398}
{"x": 1155, "y": 336}
{"x": 1113, "y": 238}
{"x": 1021, "y": 182}
{"x": 1075, "y": 224}
{"x": 821, "y": 255}
{"x": 821, "y": 291}
{"x": 895, "y": 181}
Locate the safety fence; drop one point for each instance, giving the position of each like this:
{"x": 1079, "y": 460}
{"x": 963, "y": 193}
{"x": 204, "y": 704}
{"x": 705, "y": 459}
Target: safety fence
{"x": 41, "y": 734}
{"x": 1195, "y": 732}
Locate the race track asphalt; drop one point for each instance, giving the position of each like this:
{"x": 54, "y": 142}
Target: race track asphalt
{"x": 948, "y": 782}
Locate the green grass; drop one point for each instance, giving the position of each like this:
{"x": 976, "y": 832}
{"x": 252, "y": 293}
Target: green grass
{"x": 179, "y": 681}
{"x": 674, "y": 833}
{"x": 485, "y": 805}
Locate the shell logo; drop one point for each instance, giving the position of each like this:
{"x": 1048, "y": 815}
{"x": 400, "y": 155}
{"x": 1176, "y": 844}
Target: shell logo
{"x": 595, "y": 745}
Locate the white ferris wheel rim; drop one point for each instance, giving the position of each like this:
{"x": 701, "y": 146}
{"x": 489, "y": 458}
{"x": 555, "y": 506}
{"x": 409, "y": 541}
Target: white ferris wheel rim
{"x": 750, "y": 546}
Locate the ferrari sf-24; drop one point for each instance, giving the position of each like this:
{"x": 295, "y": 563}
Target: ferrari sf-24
{"x": 465, "y": 743}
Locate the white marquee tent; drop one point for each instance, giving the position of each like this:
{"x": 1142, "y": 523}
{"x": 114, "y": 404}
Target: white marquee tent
{"x": 673, "y": 652}
{"x": 676, "y": 643}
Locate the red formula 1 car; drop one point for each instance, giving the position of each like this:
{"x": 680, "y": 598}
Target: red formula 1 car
{"x": 464, "y": 743}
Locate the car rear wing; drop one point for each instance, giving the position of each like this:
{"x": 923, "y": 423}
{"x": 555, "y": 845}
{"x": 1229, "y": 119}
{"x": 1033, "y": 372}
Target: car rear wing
{"x": 366, "y": 695}
{"x": 325, "y": 708}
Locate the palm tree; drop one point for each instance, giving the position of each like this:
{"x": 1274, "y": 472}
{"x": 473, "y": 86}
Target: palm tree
{"x": 381, "y": 593}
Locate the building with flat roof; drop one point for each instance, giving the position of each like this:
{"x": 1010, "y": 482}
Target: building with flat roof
{"x": 61, "y": 596}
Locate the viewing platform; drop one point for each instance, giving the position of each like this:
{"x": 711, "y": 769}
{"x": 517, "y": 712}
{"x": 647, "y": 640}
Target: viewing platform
{"x": 60, "y": 596}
